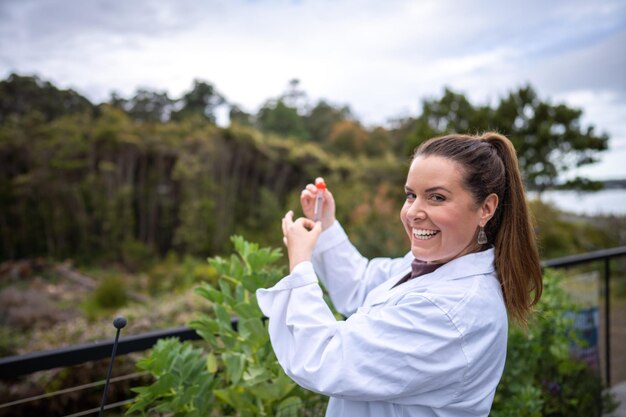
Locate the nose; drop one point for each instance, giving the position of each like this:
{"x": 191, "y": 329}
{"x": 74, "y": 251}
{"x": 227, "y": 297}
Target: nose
{"x": 416, "y": 211}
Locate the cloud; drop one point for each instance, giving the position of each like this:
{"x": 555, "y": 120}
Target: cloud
{"x": 599, "y": 66}
{"x": 382, "y": 58}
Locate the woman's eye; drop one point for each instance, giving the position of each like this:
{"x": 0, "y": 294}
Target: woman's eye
{"x": 410, "y": 196}
{"x": 437, "y": 198}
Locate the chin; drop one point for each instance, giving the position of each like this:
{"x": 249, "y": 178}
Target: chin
{"x": 421, "y": 255}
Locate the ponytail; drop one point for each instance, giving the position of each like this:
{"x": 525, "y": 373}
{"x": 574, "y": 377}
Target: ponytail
{"x": 517, "y": 259}
{"x": 490, "y": 166}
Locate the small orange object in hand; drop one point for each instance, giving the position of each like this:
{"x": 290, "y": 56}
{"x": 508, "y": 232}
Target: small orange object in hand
{"x": 319, "y": 199}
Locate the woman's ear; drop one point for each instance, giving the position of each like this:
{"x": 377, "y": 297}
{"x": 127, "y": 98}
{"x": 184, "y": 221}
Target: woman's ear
{"x": 488, "y": 208}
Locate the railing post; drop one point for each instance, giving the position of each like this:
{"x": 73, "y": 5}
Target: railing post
{"x": 607, "y": 319}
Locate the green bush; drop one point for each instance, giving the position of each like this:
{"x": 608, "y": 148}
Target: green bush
{"x": 111, "y": 293}
{"x": 541, "y": 377}
{"x": 235, "y": 372}
{"x": 184, "y": 381}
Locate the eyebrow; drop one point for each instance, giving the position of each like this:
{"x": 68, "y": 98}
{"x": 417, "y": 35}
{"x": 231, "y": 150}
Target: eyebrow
{"x": 431, "y": 189}
{"x": 437, "y": 188}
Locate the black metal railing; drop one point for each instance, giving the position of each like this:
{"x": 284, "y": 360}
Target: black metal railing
{"x": 604, "y": 256}
{"x": 15, "y": 366}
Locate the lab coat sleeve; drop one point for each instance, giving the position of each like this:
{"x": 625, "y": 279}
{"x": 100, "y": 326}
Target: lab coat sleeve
{"x": 407, "y": 353}
{"x": 347, "y": 275}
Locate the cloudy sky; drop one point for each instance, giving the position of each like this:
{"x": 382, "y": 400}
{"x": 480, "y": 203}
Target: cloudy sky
{"x": 382, "y": 58}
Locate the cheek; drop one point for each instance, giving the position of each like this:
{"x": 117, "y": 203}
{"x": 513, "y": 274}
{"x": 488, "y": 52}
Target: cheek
{"x": 403, "y": 218}
{"x": 459, "y": 224}
{"x": 452, "y": 221}
{"x": 403, "y": 211}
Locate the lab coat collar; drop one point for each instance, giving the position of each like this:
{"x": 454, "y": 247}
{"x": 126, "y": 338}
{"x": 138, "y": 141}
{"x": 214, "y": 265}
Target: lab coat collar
{"x": 477, "y": 263}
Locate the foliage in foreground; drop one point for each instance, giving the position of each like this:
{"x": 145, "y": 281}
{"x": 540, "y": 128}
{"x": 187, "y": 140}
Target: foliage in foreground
{"x": 542, "y": 377}
{"x": 237, "y": 373}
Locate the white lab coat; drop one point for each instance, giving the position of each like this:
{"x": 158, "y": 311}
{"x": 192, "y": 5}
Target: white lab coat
{"x": 433, "y": 346}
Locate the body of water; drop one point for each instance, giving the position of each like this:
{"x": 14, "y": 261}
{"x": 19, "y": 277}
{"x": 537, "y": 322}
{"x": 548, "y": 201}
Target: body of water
{"x": 612, "y": 201}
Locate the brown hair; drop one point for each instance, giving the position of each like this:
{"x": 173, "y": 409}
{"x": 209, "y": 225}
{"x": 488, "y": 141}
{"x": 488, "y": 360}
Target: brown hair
{"x": 489, "y": 163}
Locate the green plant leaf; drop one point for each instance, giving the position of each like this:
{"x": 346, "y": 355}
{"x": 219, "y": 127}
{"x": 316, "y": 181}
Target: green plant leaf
{"x": 236, "y": 397}
{"x": 224, "y": 320}
{"x": 210, "y": 293}
{"x": 289, "y": 407}
{"x": 256, "y": 375}
{"x": 211, "y": 363}
{"x": 253, "y": 331}
{"x": 234, "y": 363}
{"x": 247, "y": 311}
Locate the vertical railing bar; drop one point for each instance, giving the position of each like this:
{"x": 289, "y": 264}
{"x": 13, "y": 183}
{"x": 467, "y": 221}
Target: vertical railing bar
{"x": 607, "y": 318}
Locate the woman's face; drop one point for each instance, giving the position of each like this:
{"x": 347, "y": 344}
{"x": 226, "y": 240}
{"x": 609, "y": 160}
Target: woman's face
{"x": 439, "y": 215}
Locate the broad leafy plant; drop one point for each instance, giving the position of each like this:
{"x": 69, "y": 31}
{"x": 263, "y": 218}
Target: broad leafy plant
{"x": 235, "y": 372}
{"x": 183, "y": 385}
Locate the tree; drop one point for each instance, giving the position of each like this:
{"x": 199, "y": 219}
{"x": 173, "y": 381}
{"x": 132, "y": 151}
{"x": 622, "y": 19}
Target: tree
{"x": 348, "y": 137}
{"x": 378, "y": 142}
{"x": 295, "y": 97}
{"x": 549, "y": 139}
{"x": 146, "y": 105}
{"x": 277, "y": 117}
{"x": 202, "y": 100}
{"x": 237, "y": 115}
{"x": 451, "y": 113}
{"x": 320, "y": 120}
{"x": 23, "y": 95}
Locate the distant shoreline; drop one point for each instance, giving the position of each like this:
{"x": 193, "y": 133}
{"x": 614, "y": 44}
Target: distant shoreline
{"x": 606, "y": 202}
{"x": 614, "y": 184}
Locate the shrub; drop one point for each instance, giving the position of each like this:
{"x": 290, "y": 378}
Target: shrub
{"x": 541, "y": 377}
{"x": 110, "y": 294}
{"x": 235, "y": 371}
{"x": 184, "y": 381}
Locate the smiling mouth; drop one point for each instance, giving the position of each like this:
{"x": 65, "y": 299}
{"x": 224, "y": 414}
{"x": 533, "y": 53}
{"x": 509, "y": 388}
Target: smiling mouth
{"x": 423, "y": 234}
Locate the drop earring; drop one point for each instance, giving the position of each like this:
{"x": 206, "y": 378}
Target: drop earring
{"x": 482, "y": 236}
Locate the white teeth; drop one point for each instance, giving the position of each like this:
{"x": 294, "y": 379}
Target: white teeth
{"x": 424, "y": 234}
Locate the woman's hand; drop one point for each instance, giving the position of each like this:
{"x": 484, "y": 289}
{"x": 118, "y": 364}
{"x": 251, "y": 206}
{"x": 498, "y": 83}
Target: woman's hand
{"x": 300, "y": 237}
{"x": 307, "y": 200}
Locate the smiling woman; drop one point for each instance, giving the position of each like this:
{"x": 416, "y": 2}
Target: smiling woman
{"x": 440, "y": 215}
{"x": 426, "y": 334}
